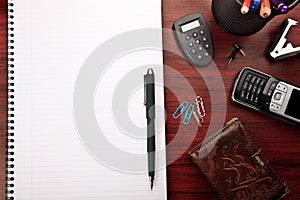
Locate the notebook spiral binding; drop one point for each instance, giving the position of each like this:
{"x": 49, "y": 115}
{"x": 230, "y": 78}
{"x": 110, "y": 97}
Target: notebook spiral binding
{"x": 10, "y": 123}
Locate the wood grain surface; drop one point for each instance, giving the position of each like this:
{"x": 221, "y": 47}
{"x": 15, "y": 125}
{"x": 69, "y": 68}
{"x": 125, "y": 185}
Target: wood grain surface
{"x": 280, "y": 142}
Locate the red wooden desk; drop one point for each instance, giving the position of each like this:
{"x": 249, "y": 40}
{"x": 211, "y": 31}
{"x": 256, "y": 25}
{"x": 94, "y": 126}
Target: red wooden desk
{"x": 279, "y": 141}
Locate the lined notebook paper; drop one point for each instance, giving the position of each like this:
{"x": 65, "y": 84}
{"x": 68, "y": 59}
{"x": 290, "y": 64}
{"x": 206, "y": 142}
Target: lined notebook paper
{"x": 80, "y": 126}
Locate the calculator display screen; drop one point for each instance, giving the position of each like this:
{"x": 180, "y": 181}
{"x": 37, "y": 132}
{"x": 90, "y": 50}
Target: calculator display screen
{"x": 293, "y": 107}
{"x": 191, "y": 25}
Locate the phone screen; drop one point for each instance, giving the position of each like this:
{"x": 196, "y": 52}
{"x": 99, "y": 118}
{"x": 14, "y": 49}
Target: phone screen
{"x": 293, "y": 107}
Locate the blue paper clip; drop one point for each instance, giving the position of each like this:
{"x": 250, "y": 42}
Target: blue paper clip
{"x": 182, "y": 108}
{"x": 188, "y": 114}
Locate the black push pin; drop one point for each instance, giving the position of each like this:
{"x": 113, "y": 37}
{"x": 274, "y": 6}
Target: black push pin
{"x": 232, "y": 56}
{"x": 238, "y": 47}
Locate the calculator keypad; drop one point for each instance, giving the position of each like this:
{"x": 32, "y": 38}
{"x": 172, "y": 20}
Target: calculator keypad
{"x": 252, "y": 88}
{"x": 197, "y": 42}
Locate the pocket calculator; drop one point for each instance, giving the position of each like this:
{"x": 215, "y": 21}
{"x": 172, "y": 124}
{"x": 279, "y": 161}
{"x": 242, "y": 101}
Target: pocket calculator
{"x": 194, "y": 39}
{"x": 268, "y": 94}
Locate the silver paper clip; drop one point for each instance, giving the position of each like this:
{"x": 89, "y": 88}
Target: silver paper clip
{"x": 199, "y": 120}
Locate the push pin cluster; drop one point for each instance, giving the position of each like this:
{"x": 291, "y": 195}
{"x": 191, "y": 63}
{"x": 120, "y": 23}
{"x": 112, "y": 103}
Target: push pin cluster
{"x": 237, "y": 49}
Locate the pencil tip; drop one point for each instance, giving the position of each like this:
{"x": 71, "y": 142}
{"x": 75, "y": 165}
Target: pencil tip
{"x": 244, "y": 10}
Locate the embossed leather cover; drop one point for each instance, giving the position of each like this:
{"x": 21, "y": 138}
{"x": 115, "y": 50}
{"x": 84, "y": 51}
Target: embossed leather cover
{"x": 235, "y": 166}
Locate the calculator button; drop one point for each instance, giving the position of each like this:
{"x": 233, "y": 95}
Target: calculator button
{"x": 282, "y": 87}
{"x": 201, "y": 32}
{"x": 275, "y": 107}
{"x": 199, "y": 57}
{"x": 204, "y": 39}
{"x": 200, "y": 48}
{"x": 187, "y": 37}
{"x": 191, "y": 44}
{"x": 195, "y": 35}
{"x": 198, "y": 41}
{"x": 207, "y": 46}
{"x": 193, "y": 51}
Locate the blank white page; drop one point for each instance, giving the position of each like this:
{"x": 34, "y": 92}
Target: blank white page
{"x": 80, "y": 122}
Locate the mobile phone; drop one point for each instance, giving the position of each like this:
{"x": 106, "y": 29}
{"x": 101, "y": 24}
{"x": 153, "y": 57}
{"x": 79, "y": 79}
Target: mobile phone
{"x": 268, "y": 94}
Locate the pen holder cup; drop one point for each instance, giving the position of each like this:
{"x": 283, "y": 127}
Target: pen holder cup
{"x": 228, "y": 15}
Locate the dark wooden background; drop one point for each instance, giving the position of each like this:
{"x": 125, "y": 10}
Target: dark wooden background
{"x": 279, "y": 141}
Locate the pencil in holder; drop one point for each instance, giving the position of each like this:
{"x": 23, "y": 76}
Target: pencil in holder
{"x": 228, "y": 15}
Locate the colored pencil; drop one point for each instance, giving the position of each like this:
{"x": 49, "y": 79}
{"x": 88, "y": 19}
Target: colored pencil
{"x": 265, "y": 8}
{"x": 255, "y": 5}
{"x": 245, "y": 6}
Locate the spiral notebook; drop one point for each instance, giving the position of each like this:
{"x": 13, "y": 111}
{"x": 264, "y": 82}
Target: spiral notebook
{"x": 78, "y": 119}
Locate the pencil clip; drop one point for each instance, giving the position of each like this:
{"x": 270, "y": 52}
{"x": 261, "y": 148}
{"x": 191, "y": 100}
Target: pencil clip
{"x": 188, "y": 114}
{"x": 145, "y": 95}
{"x": 182, "y": 107}
{"x": 149, "y": 72}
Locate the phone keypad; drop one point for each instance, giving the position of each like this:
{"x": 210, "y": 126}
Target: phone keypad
{"x": 280, "y": 91}
{"x": 252, "y": 87}
{"x": 282, "y": 87}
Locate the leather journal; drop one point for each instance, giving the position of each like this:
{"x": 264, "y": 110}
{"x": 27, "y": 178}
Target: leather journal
{"x": 236, "y": 167}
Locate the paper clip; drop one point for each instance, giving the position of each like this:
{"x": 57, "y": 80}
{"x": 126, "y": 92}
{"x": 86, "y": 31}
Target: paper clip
{"x": 188, "y": 114}
{"x": 199, "y": 120}
{"x": 200, "y": 106}
{"x": 182, "y": 108}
